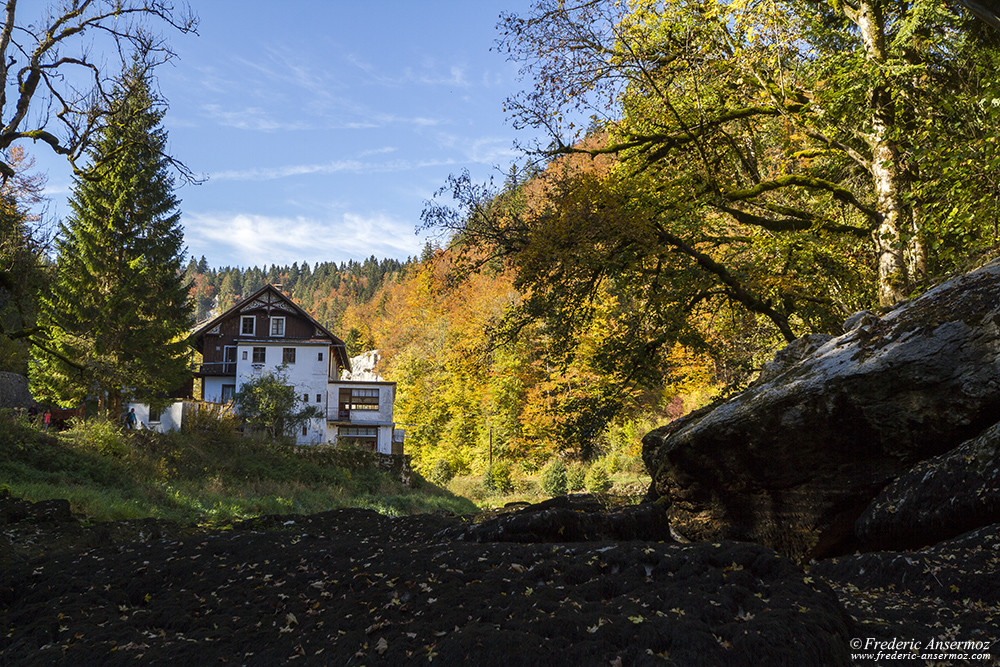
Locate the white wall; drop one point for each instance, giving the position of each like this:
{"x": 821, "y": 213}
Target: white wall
{"x": 213, "y": 387}
{"x": 308, "y": 375}
{"x": 170, "y": 417}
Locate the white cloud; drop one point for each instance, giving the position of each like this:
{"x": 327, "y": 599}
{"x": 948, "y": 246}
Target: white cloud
{"x": 428, "y": 74}
{"x": 241, "y": 239}
{"x": 379, "y": 151}
{"x": 335, "y": 167}
{"x": 251, "y": 118}
{"x": 455, "y": 77}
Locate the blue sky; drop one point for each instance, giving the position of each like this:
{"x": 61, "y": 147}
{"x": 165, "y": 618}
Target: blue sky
{"x": 323, "y": 126}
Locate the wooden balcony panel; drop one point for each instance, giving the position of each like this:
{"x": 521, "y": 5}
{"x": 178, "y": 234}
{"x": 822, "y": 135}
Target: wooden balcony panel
{"x": 215, "y": 368}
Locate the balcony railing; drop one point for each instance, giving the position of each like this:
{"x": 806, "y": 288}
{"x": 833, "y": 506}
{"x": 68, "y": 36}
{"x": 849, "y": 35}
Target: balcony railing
{"x": 216, "y": 368}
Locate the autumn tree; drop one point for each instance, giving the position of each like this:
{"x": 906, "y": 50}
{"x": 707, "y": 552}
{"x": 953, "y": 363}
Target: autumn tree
{"x": 119, "y": 309}
{"x": 707, "y": 161}
{"x": 56, "y": 93}
{"x": 775, "y": 117}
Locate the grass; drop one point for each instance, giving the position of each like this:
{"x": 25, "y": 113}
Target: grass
{"x": 210, "y": 476}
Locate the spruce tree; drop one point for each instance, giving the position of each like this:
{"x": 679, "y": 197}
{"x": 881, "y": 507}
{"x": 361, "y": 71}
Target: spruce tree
{"x": 119, "y": 308}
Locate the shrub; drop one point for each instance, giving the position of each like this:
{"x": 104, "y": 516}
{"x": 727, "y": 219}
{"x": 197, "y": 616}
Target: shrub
{"x": 598, "y": 480}
{"x": 100, "y": 435}
{"x": 554, "y": 478}
{"x": 441, "y": 472}
{"x": 576, "y": 476}
{"x": 497, "y": 478}
{"x": 214, "y": 418}
{"x": 612, "y": 462}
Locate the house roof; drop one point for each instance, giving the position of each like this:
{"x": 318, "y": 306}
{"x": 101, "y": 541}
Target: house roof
{"x": 340, "y": 349}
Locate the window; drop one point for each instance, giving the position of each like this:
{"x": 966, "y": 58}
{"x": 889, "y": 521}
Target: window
{"x": 305, "y": 430}
{"x": 154, "y": 415}
{"x": 244, "y": 355}
{"x": 359, "y": 399}
{"x": 288, "y": 355}
{"x": 358, "y": 431}
{"x": 319, "y": 398}
{"x": 248, "y": 324}
{"x": 320, "y": 357}
{"x": 305, "y": 398}
{"x": 365, "y": 437}
{"x": 258, "y": 355}
{"x": 229, "y": 354}
{"x": 228, "y": 391}
{"x": 278, "y": 326}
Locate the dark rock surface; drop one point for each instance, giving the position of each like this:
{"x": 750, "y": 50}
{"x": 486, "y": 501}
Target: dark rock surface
{"x": 792, "y": 462}
{"x": 947, "y": 592}
{"x": 356, "y": 587}
{"x": 569, "y": 519}
{"x": 14, "y": 391}
{"x": 938, "y": 498}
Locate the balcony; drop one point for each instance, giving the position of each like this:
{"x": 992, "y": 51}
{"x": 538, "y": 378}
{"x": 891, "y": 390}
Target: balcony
{"x": 342, "y": 415}
{"x": 215, "y": 368}
{"x": 356, "y": 415}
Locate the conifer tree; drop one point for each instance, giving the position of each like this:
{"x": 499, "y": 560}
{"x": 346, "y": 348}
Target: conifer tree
{"x": 119, "y": 306}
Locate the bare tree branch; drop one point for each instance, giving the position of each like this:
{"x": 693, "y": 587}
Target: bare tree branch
{"x": 40, "y": 102}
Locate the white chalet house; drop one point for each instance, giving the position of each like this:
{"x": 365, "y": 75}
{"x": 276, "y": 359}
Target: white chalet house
{"x": 268, "y": 333}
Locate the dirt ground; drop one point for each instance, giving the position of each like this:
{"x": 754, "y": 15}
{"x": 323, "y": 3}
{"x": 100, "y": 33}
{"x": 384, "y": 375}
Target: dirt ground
{"x": 352, "y": 587}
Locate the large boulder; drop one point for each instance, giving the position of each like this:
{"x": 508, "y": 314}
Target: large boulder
{"x": 14, "y": 391}
{"x": 793, "y": 461}
{"x": 938, "y": 498}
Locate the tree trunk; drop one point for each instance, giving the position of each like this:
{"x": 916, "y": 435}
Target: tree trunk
{"x": 888, "y": 173}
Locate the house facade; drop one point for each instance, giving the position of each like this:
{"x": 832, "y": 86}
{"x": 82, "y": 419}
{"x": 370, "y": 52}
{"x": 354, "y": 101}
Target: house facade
{"x": 268, "y": 333}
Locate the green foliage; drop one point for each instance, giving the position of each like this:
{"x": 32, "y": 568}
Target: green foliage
{"x": 497, "y": 478}
{"x": 576, "y": 476}
{"x": 441, "y": 472}
{"x": 22, "y": 273}
{"x": 554, "y": 478}
{"x": 757, "y": 159}
{"x": 99, "y": 434}
{"x": 118, "y": 310}
{"x": 598, "y": 480}
{"x": 213, "y": 418}
{"x": 268, "y": 404}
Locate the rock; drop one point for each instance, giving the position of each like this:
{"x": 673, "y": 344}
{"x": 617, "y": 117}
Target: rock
{"x": 947, "y": 592}
{"x": 793, "y": 461}
{"x": 14, "y": 391}
{"x": 569, "y": 519}
{"x": 938, "y": 498}
{"x": 790, "y": 355}
{"x": 861, "y": 319}
{"x": 15, "y": 510}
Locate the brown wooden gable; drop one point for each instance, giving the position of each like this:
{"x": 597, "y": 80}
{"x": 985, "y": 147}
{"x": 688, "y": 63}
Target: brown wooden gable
{"x": 212, "y": 338}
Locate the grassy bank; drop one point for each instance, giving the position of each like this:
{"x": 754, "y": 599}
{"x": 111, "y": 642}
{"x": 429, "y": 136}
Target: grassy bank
{"x": 210, "y": 475}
